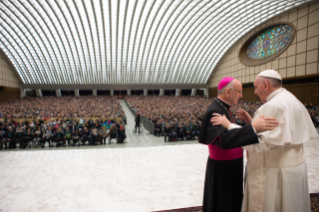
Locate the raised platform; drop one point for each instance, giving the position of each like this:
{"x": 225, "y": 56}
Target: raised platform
{"x": 147, "y": 175}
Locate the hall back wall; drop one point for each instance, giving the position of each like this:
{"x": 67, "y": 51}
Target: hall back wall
{"x": 9, "y": 93}
{"x": 248, "y": 94}
{"x": 299, "y": 60}
{"x": 9, "y": 83}
{"x": 7, "y": 76}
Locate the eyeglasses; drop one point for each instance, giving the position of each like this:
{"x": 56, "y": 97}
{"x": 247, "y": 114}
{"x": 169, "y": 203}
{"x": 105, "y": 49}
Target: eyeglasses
{"x": 240, "y": 92}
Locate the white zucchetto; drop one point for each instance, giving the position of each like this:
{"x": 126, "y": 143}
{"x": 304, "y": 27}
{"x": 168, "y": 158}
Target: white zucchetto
{"x": 270, "y": 74}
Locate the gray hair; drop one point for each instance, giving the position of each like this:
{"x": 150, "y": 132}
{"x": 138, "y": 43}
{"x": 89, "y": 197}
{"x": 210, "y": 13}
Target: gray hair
{"x": 276, "y": 83}
{"x": 229, "y": 85}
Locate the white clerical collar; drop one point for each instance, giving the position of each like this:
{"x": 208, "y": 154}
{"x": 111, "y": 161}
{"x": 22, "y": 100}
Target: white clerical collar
{"x": 270, "y": 96}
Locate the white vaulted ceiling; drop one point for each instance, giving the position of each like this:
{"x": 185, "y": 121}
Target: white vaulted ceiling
{"x": 126, "y": 41}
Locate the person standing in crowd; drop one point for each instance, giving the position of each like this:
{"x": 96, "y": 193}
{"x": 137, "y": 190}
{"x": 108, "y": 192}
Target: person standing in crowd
{"x": 223, "y": 189}
{"x": 277, "y": 177}
{"x": 138, "y": 123}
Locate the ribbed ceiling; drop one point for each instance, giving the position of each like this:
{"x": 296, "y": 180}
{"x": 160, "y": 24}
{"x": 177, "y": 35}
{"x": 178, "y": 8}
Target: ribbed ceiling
{"x": 125, "y": 41}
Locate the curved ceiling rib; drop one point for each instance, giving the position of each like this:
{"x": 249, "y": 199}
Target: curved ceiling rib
{"x": 126, "y": 41}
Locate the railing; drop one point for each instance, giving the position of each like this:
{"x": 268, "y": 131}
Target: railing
{"x": 146, "y": 123}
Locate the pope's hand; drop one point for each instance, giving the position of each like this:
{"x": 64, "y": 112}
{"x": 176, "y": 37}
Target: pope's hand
{"x": 243, "y": 115}
{"x": 218, "y": 119}
{"x": 264, "y": 123}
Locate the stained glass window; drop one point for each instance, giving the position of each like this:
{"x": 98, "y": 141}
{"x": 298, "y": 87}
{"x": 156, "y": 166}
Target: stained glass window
{"x": 270, "y": 42}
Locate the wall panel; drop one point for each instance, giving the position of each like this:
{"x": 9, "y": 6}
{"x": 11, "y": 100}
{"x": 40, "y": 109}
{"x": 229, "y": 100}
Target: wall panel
{"x": 7, "y": 76}
{"x": 306, "y": 93}
{"x": 7, "y": 93}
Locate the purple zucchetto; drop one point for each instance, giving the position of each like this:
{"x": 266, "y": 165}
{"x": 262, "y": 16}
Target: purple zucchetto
{"x": 224, "y": 82}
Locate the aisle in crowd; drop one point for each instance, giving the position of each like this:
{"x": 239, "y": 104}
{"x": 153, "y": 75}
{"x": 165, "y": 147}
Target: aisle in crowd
{"x": 179, "y": 118}
{"x": 145, "y": 138}
{"x": 72, "y": 131}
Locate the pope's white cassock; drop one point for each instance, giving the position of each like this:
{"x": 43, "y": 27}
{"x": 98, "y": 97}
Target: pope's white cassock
{"x": 277, "y": 177}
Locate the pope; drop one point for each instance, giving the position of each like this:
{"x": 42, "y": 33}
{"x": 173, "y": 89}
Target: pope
{"x": 277, "y": 179}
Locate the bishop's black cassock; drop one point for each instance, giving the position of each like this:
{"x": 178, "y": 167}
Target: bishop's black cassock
{"x": 223, "y": 190}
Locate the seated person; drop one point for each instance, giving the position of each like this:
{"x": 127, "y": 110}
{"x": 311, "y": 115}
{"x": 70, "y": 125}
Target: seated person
{"x": 173, "y": 132}
{"x": 121, "y": 135}
{"x": 98, "y": 125}
{"x": 105, "y": 125}
{"x": 67, "y": 136}
{"x": 73, "y": 127}
{"x": 181, "y": 130}
{"x": 158, "y": 129}
{"x": 167, "y": 131}
{"x": 188, "y": 131}
{"x": 58, "y": 137}
{"x": 196, "y": 129}
{"x": 94, "y": 135}
{"x": 47, "y": 136}
{"x": 9, "y": 139}
{"x": 19, "y": 133}
{"x": 2, "y": 132}
{"x": 113, "y": 132}
{"x": 76, "y": 137}
{"x": 37, "y": 136}
{"x": 86, "y": 136}
{"x": 27, "y": 136}
{"x": 103, "y": 134}
{"x": 117, "y": 124}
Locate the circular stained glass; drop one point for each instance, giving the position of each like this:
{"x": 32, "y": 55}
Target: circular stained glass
{"x": 270, "y": 42}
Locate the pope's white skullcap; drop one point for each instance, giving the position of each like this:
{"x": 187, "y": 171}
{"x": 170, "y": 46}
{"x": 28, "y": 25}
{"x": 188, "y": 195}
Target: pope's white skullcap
{"x": 270, "y": 74}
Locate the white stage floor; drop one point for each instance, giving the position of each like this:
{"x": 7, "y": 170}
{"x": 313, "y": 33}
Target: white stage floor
{"x": 111, "y": 179}
{"x": 148, "y": 174}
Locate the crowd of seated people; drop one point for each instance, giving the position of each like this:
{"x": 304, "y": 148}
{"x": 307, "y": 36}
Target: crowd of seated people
{"x": 179, "y": 118}
{"x": 62, "y": 107}
{"x": 65, "y": 121}
{"x": 175, "y": 118}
